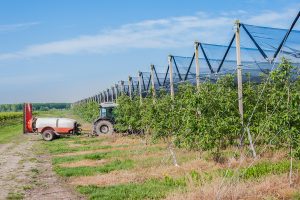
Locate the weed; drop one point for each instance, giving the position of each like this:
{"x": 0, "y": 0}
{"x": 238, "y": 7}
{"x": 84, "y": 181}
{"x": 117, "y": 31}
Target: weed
{"x": 15, "y": 196}
{"x": 296, "y": 196}
{"x": 27, "y": 187}
{"x": 35, "y": 171}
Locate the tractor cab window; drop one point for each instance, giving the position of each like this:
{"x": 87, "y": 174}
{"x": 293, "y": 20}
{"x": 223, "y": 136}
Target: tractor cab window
{"x": 103, "y": 112}
{"x": 106, "y": 112}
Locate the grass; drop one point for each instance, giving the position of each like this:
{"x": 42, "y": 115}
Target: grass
{"x": 15, "y": 196}
{"x": 92, "y": 156}
{"x": 102, "y": 155}
{"x": 121, "y": 159}
{"x": 64, "y": 148}
{"x": 261, "y": 169}
{"x": 296, "y": 196}
{"x": 151, "y": 189}
{"x": 10, "y": 132}
{"x": 89, "y": 170}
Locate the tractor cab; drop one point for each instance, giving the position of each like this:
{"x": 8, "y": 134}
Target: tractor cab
{"x": 104, "y": 124}
{"x": 106, "y": 110}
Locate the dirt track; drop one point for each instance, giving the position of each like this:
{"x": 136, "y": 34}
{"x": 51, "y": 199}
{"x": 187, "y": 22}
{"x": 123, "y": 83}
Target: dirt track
{"x": 26, "y": 174}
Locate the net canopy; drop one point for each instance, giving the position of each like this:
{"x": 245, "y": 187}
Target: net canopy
{"x": 261, "y": 49}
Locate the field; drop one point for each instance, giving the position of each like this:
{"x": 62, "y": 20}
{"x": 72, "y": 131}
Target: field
{"x": 133, "y": 167}
{"x": 126, "y": 168}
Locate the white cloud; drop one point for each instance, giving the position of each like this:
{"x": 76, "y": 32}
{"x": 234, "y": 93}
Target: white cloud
{"x": 162, "y": 33}
{"x": 30, "y": 79}
{"x": 276, "y": 19}
{"x": 15, "y": 27}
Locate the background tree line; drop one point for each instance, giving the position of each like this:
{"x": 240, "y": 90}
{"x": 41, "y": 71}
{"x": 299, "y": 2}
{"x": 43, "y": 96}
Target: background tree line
{"x": 35, "y": 106}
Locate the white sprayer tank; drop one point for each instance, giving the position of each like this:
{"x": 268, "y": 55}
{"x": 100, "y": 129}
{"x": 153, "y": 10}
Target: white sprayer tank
{"x": 55, "y": 123}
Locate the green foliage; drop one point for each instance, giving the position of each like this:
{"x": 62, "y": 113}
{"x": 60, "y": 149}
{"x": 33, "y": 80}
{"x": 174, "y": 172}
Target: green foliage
{"x": 207, "y": 118}
{"x": 6, "y": 116}
{"x": 128, "y": 114}
{"x": 88, "y": 111}
{"x": 151, "y": 189}
{"x": 35, "y": 107}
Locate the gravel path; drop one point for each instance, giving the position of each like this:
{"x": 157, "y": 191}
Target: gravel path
{"x": 24, "y": 174}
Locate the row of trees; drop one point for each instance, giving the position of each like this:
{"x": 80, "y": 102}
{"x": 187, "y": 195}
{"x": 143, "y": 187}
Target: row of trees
{"x": 35, "y": 106}
{"x": 207, "y": 118}
{"x": 87, "y": 111}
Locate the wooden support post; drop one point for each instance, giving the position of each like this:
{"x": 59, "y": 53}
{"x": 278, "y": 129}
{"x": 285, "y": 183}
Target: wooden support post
{"x": 171, "y": 76}
{"x": 140, "y": 87}
{"x": 152, "y": 82}
{"x": 240, "y": 86}
{"x": 197, "y": 65}
{"x": 130, "y": 87}
{"x": 112, "y": 93}
{"x": 107, "y": 95}
{"x": 239, "y": 71}
{"x": 117, "y": 91}
{"x": 122, "y": 88}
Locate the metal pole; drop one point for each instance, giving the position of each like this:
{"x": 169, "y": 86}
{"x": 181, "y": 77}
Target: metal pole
{"x": 171, "y": 76}
{"x": 130, "y": 87}
{"x": 197, "y": 64}
{"x": 152, "y": 80}
{"x": 140, "y": 87}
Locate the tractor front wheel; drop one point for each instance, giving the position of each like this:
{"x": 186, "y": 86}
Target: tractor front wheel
{"x": 104, "y": 127}
{"x": 48, "y": 135}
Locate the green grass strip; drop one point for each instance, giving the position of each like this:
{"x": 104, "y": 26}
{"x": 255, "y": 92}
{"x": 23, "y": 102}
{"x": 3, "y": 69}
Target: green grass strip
{"x": 151, "y": 189}
{"x": 261, "y": 169}
{"x": 92, "y": 156}
{"x": 102, "y": 155}
{"x": 89, "y": 170}
{"x": 9, "y": 133}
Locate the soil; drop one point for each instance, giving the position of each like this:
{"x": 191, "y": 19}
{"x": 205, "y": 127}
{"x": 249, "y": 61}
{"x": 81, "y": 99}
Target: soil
{"x": 27, "y": 174}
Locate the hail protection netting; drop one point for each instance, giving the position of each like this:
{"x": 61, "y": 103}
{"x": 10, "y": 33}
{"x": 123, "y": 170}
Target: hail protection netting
{"x": 126, "y": 87}
{"x": 262, "y": 49}
{"x": 146, "y": 82}
{"x": 273, "y": 43}
{"x": 135, "y": 85}
{"x": 161, "y": 79}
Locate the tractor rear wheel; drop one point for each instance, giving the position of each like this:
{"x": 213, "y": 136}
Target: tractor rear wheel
{"x": 48, "y": 135}
{"x": 104, "y": 127}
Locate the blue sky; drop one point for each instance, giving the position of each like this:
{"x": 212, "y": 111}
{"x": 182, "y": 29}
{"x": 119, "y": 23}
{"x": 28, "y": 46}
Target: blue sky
{"x": 65, "y": 50}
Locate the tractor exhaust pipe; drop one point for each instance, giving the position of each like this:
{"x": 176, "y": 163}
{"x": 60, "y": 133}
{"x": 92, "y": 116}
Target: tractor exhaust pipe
{"x": 27, "y": 118}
